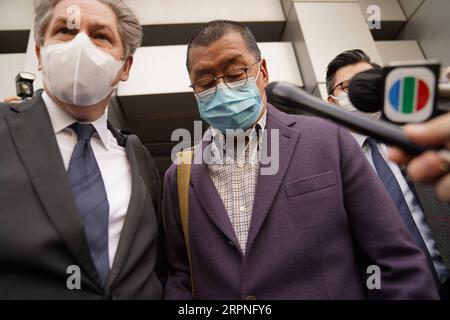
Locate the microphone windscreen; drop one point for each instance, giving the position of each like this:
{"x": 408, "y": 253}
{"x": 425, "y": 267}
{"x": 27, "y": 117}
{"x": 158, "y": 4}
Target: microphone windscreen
{"x": 364, "y": 90}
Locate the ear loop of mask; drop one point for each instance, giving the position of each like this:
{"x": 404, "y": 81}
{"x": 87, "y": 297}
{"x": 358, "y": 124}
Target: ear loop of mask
{"x": 256, "y": 79}
{"x": 338, "y": 99}
{"x": 257, "y": 75}
{"x": 114, "y": 87}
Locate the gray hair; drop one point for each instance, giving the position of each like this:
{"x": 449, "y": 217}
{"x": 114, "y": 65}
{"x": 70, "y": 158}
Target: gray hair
{"x": 130, "y": 30}
{"x": 216, "y": 29}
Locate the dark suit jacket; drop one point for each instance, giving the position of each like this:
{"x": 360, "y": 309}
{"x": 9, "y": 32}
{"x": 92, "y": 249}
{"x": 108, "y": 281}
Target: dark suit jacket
{"x": 316, "y": 224}
{"x": 41, "y": 234}
{"x": 437, "y": 214}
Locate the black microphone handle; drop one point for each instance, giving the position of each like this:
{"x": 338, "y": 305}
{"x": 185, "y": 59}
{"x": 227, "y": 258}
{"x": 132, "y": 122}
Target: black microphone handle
{"x": 290, "y": 96}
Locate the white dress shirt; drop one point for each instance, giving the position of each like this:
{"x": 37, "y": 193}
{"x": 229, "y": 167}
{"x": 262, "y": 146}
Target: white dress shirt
{"x": 112, "y": 161}
{"x": 413, "y": 205}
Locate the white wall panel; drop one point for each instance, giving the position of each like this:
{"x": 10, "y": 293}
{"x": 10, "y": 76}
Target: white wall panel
{"x": 162, "y": 69}
{"x": 194, "y": 11}
{"x": 322, "y": 91}
{"x": 16, "y": 14}
{"x": 410, "y": 6}
{"x": 31, "y": 62}
{"x": 430, "y": 26}
{"x": 287, "y": 4}
{"x": 399, "y": 50}
{"x": 320, "y": 31}
{"x": 10, "y": 65}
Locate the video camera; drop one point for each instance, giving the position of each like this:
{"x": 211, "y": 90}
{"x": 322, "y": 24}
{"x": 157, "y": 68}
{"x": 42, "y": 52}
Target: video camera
{"x": 24, "y": 85}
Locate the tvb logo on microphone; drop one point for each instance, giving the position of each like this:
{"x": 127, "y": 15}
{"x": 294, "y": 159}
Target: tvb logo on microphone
{"x": 409, "y": 94}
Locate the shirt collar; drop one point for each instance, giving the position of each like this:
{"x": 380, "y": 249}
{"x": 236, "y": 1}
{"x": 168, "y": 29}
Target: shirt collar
{"x": 219, "y": 144}
{"x": 360, "y": 138}
{"x": 61, "y": 119}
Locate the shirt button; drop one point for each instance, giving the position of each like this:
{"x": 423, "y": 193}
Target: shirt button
{"x": 242, "y": 208}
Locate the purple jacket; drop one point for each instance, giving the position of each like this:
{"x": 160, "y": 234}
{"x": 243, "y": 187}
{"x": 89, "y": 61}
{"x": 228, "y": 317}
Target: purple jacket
{"x": 317, "y": 225}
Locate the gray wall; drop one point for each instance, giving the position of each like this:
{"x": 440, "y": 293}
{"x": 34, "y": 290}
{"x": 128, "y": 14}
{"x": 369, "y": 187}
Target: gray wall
{"x": 430, "y": 26}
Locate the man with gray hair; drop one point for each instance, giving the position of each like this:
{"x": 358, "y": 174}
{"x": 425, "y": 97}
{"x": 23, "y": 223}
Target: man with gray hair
{"x": 316, "y": 228}
{"x": 79, "y": 199}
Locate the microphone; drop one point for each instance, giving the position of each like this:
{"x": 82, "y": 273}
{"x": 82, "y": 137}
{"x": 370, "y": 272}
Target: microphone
{"x": 365, "y": 88}
{"x": 289, "y": 96}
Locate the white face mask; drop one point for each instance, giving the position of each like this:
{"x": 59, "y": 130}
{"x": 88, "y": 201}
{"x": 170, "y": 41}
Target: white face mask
{"x": 344, "y": 101}
{"x": 77, "y": 72}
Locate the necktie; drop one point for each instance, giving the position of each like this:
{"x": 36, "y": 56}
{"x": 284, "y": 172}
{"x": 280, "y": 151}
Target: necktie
{"x": 90, "y": 197}
{"x": 389, "y": 181}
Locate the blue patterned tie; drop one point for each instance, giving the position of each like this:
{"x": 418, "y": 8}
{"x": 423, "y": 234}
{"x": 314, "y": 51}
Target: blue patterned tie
{"x": 90, "y": 197}
{"x": 389, "y": 181}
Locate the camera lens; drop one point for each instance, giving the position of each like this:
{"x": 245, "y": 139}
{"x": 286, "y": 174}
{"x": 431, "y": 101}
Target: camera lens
{"x": 26, "y": 89}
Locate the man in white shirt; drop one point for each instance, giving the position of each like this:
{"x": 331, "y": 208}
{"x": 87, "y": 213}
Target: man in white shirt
{"x": 413, "y": 201}
{"x": 79, "y": 198}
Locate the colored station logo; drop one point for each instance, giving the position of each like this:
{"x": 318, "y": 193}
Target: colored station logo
{"x": 409, "y": 94}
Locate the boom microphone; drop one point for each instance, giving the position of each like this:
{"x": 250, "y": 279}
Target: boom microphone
{"x": 365, "y": 92}
{"x": 289, "y": 96}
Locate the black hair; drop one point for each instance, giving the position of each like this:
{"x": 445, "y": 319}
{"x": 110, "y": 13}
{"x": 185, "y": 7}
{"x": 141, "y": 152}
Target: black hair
{"x": 344, "y": 59}
{"x": 216, "y": 29}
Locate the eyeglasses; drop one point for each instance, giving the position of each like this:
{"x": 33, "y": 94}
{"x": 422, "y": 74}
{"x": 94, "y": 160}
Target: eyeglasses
{"x": 343, "y": 85}
{"x": 231, "y": 76}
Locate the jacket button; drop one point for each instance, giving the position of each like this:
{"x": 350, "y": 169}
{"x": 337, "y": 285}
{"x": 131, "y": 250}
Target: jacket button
{"x": 250, "y": 297}
{"x": 231, "y": 243}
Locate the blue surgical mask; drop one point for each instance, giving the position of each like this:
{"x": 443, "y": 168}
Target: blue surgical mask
{"x": 235, "y": 107}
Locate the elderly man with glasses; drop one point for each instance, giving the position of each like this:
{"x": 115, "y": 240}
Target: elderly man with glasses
{"x": 317, "y": 228}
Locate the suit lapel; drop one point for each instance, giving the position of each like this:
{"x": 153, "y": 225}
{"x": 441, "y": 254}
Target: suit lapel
{"x": 267, "y": 185}
{"x": 134, "y": 211}
{"x": 209, "y": 198}
{"x": 36, "y": 144}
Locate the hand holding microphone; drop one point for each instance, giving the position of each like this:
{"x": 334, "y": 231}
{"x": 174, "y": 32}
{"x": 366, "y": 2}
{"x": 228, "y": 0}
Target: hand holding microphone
{"x": 431, "y": 166}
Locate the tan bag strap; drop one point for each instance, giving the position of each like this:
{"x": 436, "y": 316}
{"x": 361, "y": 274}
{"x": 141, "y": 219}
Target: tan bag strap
{"x": 184, "y": 176}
